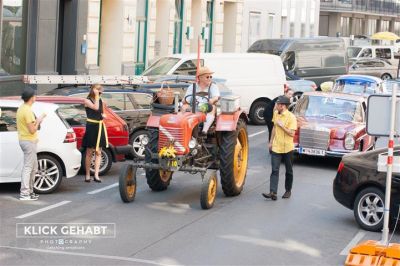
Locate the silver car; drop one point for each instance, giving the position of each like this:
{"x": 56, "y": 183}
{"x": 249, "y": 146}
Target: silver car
{"x": 380, "y": 68}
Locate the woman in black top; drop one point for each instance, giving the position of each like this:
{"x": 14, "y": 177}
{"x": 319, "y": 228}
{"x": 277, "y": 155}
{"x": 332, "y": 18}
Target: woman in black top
{"x": 96, "y": 134}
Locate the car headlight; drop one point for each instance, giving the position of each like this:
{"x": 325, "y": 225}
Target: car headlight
{"x": 349, "y": 141}
{"x": 144, "y": 140}
{"x": 192, "y": 143}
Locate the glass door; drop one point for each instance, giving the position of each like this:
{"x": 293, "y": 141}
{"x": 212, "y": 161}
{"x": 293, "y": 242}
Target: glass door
{"x": 178, "y": 25}
{"x": 141, "y": 35}
{"x": 209, "y": 27}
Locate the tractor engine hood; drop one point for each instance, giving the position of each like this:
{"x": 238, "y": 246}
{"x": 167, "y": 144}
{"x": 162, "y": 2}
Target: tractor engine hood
{"x": 176, "y": 130}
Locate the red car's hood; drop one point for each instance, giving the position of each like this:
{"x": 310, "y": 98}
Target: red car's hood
{"x": 338, "y": 128}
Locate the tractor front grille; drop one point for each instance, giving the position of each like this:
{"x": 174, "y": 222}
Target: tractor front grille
{"x": 314, "y": 138}
{"x": 169, "y": 135}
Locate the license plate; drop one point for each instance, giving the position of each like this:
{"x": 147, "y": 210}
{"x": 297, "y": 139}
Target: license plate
{"x": 311, "y": 151}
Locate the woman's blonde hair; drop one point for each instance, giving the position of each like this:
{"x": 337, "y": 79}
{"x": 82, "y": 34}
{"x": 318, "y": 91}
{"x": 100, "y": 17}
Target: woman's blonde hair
{"x": 91, "y": 92}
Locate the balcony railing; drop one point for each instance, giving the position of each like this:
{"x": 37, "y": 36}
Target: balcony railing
{"x": 378, "y": 7}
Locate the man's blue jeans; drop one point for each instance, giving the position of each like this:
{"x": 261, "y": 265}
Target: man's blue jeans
{"x": 276, "y": 159}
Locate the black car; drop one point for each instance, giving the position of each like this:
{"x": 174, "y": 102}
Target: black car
{"x": 360, "y": 187}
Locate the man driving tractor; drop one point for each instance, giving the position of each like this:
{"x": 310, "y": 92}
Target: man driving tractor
{"x": 207, "y": 95}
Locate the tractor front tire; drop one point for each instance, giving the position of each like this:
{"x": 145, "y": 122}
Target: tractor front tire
{"x": 234, "y": 153}
{"x": 157, "y": 180}
{"x": 208, "y": 190}
{"x": 127, "y": 183}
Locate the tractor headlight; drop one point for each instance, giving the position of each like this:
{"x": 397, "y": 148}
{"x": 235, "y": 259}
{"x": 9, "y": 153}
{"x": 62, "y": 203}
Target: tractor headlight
{"x": 192, "y": 143}
{"x": 144, "y": 140}
{"x": 349, "y": 141}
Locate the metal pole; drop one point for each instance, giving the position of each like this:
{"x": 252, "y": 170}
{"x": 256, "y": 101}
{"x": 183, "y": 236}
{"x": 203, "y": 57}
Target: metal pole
{"x": 385, "y": 231}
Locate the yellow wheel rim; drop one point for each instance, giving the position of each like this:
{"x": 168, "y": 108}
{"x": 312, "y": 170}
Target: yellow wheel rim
{"x": 165, "y": 175}
{"x": 130, "y": 185}
{"x": 212, "y": 191}
{"x": 240, "y": 157}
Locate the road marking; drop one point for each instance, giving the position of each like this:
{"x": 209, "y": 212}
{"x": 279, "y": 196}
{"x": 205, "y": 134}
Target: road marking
{"x": 43, "y": 209}
{"x": 257, "y": 133}
{"x": 352, "y": 243}
{"x": 102, "y": 189}
{"x": 97, "y": 256}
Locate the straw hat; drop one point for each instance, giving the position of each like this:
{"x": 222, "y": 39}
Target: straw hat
{"x": 204, "y": 71}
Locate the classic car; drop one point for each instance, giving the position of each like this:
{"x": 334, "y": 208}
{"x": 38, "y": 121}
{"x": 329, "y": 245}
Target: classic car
{"x": 331, "y": 124}
{"x": 359, "y": 84}
{"x": 376, "y": 67}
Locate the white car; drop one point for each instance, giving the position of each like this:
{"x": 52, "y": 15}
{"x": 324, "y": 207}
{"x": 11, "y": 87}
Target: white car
{"x": 56, "y": 150}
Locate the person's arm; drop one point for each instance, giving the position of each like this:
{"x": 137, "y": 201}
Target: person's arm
{"x": 272, "y": 139}
{"x": 290, "y": 129}
{"x": 96, "y": 105}
{"x": 214, "y": 91}
{"x": 34, "y": 125}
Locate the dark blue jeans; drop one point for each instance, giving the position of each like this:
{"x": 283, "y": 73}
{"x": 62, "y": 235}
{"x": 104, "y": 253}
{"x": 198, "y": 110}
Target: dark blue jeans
{"x": 276, "y": 159}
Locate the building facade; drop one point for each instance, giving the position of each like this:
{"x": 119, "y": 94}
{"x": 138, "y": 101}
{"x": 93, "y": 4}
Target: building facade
{"x": 359, "y": 17}
{"x": 278, "y": 19}
{"x": 109, "y": 37}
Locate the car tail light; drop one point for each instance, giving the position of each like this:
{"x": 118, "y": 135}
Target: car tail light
{"x": 285, "y": 88}
{"x": 340, "y": 167}
{"x": 70, "y": 137}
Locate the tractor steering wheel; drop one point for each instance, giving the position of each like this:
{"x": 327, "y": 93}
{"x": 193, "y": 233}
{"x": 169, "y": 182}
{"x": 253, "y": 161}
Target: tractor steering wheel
{"x": 196, "y": 101}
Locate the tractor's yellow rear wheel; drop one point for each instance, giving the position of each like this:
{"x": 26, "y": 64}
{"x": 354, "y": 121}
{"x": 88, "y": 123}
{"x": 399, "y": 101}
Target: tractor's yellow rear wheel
{"x": 234, "y": 154}
{"x": 208, "y": 190}
{"x": 127, "y": 183}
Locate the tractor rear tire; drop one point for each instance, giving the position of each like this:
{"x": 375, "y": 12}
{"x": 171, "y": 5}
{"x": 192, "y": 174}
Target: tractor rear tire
{"x": 234, "y": 153}
{"x": 155, "y": 181}
{"x": 127, "y": 183}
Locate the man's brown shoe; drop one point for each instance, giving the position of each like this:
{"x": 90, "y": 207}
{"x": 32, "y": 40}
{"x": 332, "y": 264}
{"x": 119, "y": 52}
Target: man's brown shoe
{"x": 270, "y": 195}
{"x": 287, "y": 195}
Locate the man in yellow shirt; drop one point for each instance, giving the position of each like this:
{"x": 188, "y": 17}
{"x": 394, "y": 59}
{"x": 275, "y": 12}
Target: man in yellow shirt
{"x": 282, "y": 147}
{"x": 27, "y": 126}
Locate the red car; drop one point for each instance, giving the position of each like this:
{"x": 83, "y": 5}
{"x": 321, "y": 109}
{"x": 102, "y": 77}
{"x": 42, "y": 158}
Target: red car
{"x": 331, "y": 124}
{"x": 72, "y": 109}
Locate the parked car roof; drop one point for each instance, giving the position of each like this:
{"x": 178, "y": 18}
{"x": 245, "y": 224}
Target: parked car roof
{"x": 359, "y": 78}
{"x": 353, "y": 97}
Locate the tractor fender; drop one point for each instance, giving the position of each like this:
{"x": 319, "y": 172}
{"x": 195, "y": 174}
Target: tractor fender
{"x": 228, "y": 122}
{"x": 153, "y": 121}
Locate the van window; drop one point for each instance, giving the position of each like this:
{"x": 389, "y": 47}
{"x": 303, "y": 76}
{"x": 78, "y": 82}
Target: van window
{"x": 289, "y": 61}
{"x": 188, "y": 67}
{"x": 161, "y": 67}
{"x": 353, "y": 51}
{"x": 367, "y": 52}
{"x": 383, "y": 53}
{"x": 8, "y": 119}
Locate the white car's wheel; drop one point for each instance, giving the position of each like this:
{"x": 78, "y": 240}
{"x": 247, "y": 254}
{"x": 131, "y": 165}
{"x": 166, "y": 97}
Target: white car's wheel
{"x": 49, "y": 174}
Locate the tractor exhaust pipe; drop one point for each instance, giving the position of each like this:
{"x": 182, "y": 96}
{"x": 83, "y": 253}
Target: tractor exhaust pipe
{"x": 194, "y": 98}
{"x": 176, "y": 101}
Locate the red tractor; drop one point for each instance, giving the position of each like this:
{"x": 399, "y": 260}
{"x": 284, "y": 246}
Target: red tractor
{"x": 175, "y": 144}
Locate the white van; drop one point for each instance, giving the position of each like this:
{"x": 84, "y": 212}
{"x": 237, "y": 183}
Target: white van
{"x": 256, "y": 78}
{"x": 373, "y": 51}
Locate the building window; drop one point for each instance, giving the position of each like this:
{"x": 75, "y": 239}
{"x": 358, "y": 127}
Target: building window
{"x": 254, "y": 27}
{"x": 312, "y": 18}
{"x": 371, "y": 26}
{"x": 270, "y": 25}
{"x": 13, "y": 24}
{"x": 292, "y": 18}
{"x": 345, "y": 26}
{"x": 397, "y": 27}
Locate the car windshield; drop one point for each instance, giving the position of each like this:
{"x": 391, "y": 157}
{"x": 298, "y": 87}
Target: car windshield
{"x": 161, "y": 67}
{"x": 389, "y": 86}
{"x": 327, "y": 107}
{"x": 355, "y": 87}
{"x": 353, "y": 51}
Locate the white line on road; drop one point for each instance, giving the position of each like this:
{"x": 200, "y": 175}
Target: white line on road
{"x": 43, "y": 209}
{"x": 257, "y": 133}
{"x": 97, "y": 256}
{"x": 352, "y": 243}
{"x": 102, "y": 189}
